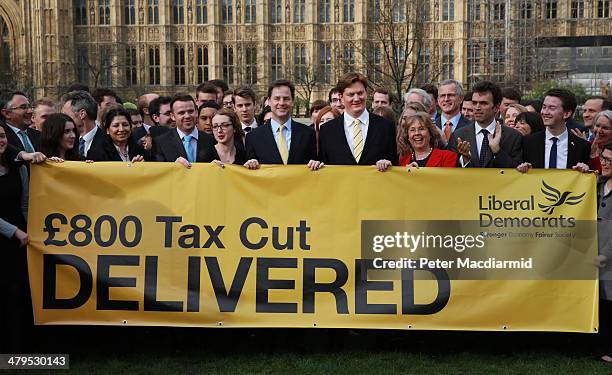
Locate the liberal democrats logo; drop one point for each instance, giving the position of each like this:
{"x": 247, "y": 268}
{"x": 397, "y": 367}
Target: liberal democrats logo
{"x": 557, "y": 198}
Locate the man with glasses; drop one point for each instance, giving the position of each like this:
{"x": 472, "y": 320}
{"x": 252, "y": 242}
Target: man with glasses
{"x": 17, "y": 113}
{"x": 450, "y": 97}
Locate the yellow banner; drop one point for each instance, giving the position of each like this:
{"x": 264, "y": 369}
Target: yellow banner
{"x": 158, "y": 244}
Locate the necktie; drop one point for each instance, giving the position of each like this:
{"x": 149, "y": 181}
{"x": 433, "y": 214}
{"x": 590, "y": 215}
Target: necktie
{"x": 448, "y": 127}
{"x": 357, "y": 140}
{"x": 247, "y": 129}
{"x": 282, "y": 144}
{"x": 188, "y": 148}
{"x": 82, "y": 147}
{"x": 484, "y": 148}
{"x": 552, "y": 158}
{"x": 26, "y": 142}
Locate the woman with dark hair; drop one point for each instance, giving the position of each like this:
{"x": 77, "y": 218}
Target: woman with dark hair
{"x": 58, "y": 138}
{"x": 417, "y": 143}
{"x": 119, "y": 146}
{"x": 228, "y": 133}
{"x": 534, "y": 105}
{"x": 265, "y": 115}
{"x": 15, "y": 308}
{"x": 528, "y": 123}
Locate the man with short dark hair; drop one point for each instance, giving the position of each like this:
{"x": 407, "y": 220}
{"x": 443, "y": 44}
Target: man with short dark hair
{"x": 316, "y": 106}
{"x": 105, "y": 97}
{"x": 161, "y": 122}
{"x": 556, "y": 147}
{"x": 83, "y": 110}
{"x": 282, "y": 140}
{"x": 17, "y": 113}
{"x": 487, "y": 143}
{"x": 357, "y": 137}
{"x": 204, "y": 93}
{"x": 244, "y": 106}
{"x": 228, "y": 100}
{"x": 381, "y": 98}
{"x": 510, "y": 95}
{"x": 335, "y": 99}
{"x": 185, "y": 144}
{"x": 467, "y": 108}
{"x": 222, "y": 87}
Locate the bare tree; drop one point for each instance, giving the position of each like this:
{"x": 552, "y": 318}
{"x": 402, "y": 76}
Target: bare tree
{"x": 305, "y": 80}
{"x": 392, "y": 52}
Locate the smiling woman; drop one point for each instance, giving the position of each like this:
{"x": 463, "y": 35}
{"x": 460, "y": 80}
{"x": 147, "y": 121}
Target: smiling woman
{"x": 418, "y": 139}
{"x": 119, "y": 146}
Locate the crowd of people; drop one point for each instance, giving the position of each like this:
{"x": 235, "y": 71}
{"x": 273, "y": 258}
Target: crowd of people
{"x": 439, "y": 126}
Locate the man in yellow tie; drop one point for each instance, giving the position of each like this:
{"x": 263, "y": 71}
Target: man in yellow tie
{"x": 282, "y": 140}
{"x": 357, "y": 137}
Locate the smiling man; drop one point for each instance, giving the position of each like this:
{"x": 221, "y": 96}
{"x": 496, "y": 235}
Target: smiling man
{"x": 450, "y": 97}
{"x": 282, "y": 140}
{"x": 556, "y": 147}
{"x": 17, "y": 112}
{"x": 357, "y": 137}
{"x": 185, "y": 144}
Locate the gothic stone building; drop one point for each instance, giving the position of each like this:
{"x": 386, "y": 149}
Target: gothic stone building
{"x": 136, "y": 46}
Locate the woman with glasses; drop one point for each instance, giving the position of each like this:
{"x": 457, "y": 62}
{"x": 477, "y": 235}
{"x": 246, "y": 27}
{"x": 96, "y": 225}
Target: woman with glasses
{"x": 228, "y": 133}
{"x": 604, "y": 259}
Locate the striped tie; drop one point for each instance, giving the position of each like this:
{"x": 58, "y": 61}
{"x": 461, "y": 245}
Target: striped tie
{"x": 282, "y": 144}
{"x": 357, "y": 140}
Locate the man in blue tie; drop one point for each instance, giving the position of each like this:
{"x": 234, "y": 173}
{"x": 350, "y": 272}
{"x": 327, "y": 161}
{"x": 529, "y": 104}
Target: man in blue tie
{"x": 17, "y": 112}
{"x": 556, "y": 147}
{"x": 185, "y": 144}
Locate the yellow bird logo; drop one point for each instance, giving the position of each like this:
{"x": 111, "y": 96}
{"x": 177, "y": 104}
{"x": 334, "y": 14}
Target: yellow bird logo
{"x": 557, "y": 198}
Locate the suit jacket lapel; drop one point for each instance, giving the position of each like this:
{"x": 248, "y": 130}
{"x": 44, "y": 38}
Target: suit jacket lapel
{"x": 571, "y": 151}
{"x": 370, "y": 138}
{"x": 472, "y": 139}
{"x": 296, "y": 139}
{"x": 540, "y": 151}
{"x": 339, "y": 129}
{"x": 178, "y": 143}
{"x": 270, "y": 144}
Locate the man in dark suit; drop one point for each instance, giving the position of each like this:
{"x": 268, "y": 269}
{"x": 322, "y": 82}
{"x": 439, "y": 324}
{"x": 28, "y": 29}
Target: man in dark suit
{"x": 282, "y": 140}
{"x": 161, "y": 115}
{"x": 83, "y": 110}
{"x": 556, "y": 147}
{"x": 185, "y": 144}
{"x": 450, "y": 97}
{"x": 357, "y": 137}
{"x": 487, "y": 143}
{"x": 17, "y": 112}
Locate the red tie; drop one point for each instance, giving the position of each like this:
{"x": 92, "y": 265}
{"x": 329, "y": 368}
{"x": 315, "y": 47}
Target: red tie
{"x": 448, "y": 130}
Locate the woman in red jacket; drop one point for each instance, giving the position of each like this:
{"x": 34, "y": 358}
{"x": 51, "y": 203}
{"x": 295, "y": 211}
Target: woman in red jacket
{"x": 417, "y": 143}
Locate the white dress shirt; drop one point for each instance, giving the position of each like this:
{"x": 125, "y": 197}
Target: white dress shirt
{"x": 562, "y": 149}
{"x": 364, "y": 120}
{"x": 88, "y": 137}
{"x": 479, "y": 139}
{"x": 253, "y": 124}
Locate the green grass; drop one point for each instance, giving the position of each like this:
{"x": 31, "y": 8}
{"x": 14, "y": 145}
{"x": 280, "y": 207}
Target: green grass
{"x": 103, "y": 350}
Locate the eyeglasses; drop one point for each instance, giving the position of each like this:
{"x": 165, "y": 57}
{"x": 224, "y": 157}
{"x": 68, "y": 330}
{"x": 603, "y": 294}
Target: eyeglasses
{"x": 23, "y": 107}
{"x": 228, "y": 104}
{"x": 222, "y": 126}
{"x": 605, "y": 160}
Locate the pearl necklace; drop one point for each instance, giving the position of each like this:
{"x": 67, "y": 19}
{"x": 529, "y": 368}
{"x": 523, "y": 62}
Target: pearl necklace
{"x": 423, "y": 158}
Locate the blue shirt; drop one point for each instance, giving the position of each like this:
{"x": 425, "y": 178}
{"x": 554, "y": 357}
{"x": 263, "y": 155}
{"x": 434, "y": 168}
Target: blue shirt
{"x": 275, "y": 127}
{"x": 454, "y": 120}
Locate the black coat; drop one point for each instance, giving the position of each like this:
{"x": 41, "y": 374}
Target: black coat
{"x": 260, "y": 145}
{"x": 108, "y": 152}
{"x": 534, "y": 150}
{"x": 14, "y": 140}
{"x": 379, "y": 144}
{"x": 169, "y": 147}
